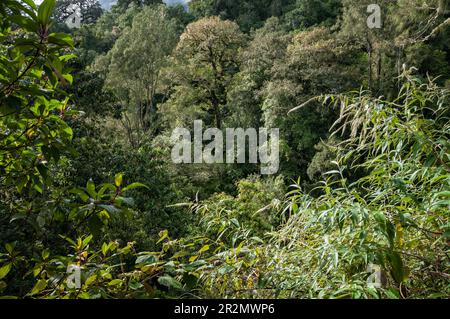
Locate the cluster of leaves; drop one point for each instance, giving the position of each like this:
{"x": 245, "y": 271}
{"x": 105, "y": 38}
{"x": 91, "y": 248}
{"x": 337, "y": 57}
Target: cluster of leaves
{"x": 390, "y": 215}
{"x": 35, "y": 135}
{"x": 395, "y": 215}
{"x": 252, "y": 14}
{"x": 33, "y": 127}
{"x": 384, "y": 201}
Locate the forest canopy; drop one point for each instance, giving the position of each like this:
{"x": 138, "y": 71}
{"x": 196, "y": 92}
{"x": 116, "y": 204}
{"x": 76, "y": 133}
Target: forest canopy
{"x": 93, "y": 206}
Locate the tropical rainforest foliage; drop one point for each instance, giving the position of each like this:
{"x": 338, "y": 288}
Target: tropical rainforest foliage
{"x": 87, "y": 180}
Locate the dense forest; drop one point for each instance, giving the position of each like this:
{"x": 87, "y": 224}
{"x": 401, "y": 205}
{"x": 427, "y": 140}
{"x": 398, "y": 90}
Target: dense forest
{"x": 93, "y": 206}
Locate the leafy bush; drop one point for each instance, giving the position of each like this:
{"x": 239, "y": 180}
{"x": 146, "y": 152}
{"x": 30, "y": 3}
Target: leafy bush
{"x": 390, "y": 217}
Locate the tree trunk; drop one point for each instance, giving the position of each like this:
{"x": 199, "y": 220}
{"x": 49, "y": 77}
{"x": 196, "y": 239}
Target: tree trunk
{"x": 379, "y": 68}
{"x": 370, "y": 66}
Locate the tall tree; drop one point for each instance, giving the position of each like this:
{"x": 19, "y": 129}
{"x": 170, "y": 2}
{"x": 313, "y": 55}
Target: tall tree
{"x": 316, "y": 63}
{"x": 267, "y": 48}
{"x": 134, "y": 65}
{"x": 206, "y": 60}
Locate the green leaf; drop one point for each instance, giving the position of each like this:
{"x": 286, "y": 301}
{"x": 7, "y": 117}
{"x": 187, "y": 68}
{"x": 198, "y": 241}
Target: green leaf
{"x": 125, "y": 200}
{"x": 115, "y": 282}
{"x": 67, "y": 129}
{"x": 30, "y": 3}
{"x": 90, "y": 280}
{"x": 84, "y": 197}
{"x": 169, "y": 282}
{"x": 104, "y": 188}
{"x": 38, "y": 186}
{"x": 21, "y": 182}
{"x": 5, "y": 270}
{"x": 25, "y": 23}
{"x": 204, "y": 249}
{"x": 69, "y": 79}
{"x": 105, "y": 248}
{"x": 398, "y": 270}
{"x": 135, "y": 285}
{"x": 45, "y": 254}
{"x": 90, "y": 188}
{"x": 9, "y": 247}
{"x": 45, "y": 11}
{"x": 225, "y": 269}
{"x": 61, "y": 39}
{"x": 258, "y": 240}
{"x": 146, "y": 259}
{"x": 134, "y": 185}
{"x": 67, "y": 57}
{"x": 110, "y": 209}
{"x": 235, "y": 222}
{"x": 163, "y": 235}
{"x": 68, "y": 240}
{"x": 118, "y": 179}
{"x": 392, "y": 293}
{"x": 43, "y": 171}
{"x": 40, "y": 285}
{"x": 37, "y": 270}
{"x": 87, "y": 240}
